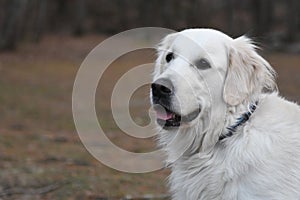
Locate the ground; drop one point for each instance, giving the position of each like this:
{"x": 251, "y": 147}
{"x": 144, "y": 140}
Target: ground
{"x": 39, "y": 146}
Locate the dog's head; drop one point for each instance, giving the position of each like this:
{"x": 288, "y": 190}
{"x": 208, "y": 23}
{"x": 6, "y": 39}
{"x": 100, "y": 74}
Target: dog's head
{"x": 198, "y": 69}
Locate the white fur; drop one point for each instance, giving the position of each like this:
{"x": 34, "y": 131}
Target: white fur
{"x": 262, "y": 159}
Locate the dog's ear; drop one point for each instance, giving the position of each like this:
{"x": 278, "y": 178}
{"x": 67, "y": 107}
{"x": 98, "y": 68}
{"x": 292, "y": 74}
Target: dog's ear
{"x": 248, "y": 73}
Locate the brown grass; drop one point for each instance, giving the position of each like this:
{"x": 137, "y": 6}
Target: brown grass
{"x": 38, "y": 141}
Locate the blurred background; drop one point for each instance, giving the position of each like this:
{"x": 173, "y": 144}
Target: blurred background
{"x": 42, "y": 44}
{"x": 273, "y": 21}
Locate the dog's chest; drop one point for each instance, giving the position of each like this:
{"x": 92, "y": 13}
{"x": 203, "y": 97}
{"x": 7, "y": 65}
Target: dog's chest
{"x": 199, "y": 178}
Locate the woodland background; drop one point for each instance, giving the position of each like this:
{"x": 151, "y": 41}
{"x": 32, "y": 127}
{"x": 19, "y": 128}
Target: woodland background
{"x": 272, "y": 21}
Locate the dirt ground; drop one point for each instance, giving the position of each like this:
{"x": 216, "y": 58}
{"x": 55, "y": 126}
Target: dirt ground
{"x": 41, "y": 156}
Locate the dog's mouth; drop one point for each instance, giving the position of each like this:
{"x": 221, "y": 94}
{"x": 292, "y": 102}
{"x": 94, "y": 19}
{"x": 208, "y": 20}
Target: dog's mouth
{"x": 170, "y": 119}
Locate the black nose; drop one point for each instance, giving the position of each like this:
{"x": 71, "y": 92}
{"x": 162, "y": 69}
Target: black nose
{"x": 162, "y": 88}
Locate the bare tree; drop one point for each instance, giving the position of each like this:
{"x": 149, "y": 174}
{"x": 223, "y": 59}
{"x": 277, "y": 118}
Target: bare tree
{"x": 262, "y": 15}
{"x": 230, "y": 14}
{"x": 292, "y": 19}
{"x": 40, "y": 20}
{"x": 80, "y": 8}
{"x": 12, "y": 19}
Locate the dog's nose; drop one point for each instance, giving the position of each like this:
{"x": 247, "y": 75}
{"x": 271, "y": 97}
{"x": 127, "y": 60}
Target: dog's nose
{"x": 162, "y": 88}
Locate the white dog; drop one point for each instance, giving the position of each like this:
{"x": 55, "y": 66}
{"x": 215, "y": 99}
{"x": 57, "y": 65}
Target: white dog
{"x": 226, "y": 132}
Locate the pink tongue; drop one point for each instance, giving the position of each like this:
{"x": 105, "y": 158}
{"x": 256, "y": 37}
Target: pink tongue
{"x": 164, "y": 115}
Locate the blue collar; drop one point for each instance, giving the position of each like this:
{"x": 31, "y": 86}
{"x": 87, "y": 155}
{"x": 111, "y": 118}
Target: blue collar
{"x": 240, "y": 121}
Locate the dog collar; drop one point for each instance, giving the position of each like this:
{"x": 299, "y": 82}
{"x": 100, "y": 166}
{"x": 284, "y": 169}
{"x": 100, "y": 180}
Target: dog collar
{"x": 240, "y": 121}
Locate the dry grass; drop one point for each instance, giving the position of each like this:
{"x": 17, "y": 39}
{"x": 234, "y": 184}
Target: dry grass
{"x": 38, "y": 141}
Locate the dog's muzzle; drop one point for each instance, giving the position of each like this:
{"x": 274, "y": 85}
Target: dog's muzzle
{"x": 162, "y": 94}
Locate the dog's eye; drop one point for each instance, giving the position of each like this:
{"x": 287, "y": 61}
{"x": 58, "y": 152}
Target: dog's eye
{"x": 169, "y": 57}
{"x": 202, "y": 64}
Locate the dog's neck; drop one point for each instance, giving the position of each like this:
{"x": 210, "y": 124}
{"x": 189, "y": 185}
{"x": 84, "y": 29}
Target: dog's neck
{"x": 235, "y": 118}
{"x": 240, "y": 121}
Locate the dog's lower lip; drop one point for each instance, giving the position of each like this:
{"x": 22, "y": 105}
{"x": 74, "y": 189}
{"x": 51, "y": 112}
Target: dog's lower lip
{"x": 191, "y": 116}
{"x": 176, "y": 119}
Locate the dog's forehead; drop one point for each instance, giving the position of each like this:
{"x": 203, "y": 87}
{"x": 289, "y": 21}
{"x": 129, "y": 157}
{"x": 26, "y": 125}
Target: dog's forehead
{"x": 204, "y": 35}
{"x": 193, "y": 42}
{"x": 203, "y": 38}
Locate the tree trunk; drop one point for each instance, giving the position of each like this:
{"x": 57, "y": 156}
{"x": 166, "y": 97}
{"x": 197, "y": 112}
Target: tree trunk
{"x": 12, "y": 19}
{"x": 262, "y": 14}
{"x": 80, "y": 9}
{"x": 292, "y": 20}
{"x": 40, "y": 21}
